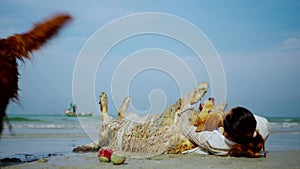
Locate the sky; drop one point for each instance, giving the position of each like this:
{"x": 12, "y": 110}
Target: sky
{"x": 257, "y": 45}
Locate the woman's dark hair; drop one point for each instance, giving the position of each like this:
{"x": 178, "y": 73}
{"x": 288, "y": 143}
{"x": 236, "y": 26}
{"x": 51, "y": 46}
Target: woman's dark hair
{"x": 240, "y": 127}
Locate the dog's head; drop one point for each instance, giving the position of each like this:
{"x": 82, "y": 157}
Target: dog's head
{"x": 209, "y": 103}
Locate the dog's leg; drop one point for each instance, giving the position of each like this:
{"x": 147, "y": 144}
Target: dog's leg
{"x": 123, "y": 108}
{"x": 107, "y": 129}
{"x": 221, "y": 107}
{"x": 196, "y": 94}
{"x": 103, "y": 102}
{"x": 2, "y": 114}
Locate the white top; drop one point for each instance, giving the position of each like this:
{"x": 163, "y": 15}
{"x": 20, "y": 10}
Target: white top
{"x": 215, "y": 142}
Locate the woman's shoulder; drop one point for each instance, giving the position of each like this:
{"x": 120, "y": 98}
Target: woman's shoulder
{"x": 263, "y": 126}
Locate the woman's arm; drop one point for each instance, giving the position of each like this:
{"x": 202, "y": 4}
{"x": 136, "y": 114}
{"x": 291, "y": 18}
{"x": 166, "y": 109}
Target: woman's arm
{"x": 211, "y": 141}
{"x": 188, "y": 129}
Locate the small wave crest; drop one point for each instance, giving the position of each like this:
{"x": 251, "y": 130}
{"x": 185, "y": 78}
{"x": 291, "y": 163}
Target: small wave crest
{"x": 285, "y": 124}
{"x": 285, "y": 132}
{"x": 53, "y": 126}
{"x": 44, "y": 126}
{"x": 283, "y": 119}
{"x": 23, "y": 119}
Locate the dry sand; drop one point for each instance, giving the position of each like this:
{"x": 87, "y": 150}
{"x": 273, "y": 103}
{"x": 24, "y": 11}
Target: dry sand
{"x": 278, "y": 159}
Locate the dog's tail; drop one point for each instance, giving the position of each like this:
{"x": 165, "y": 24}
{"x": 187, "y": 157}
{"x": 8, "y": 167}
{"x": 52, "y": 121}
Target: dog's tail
{"x": 21, "y": 45}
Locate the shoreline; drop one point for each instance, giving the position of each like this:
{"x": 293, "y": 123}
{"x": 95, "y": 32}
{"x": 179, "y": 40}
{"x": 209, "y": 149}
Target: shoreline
{"x": 274, "y": 159}
{"x": 52, "y": 138}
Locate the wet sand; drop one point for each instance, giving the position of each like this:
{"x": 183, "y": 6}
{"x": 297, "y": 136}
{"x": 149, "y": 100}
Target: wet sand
{"x": 276, "y": 159}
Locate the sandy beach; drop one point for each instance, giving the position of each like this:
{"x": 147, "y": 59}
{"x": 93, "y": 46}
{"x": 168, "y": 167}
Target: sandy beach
{"x": 278, "y": 159}
{"x": 52, "y": 139}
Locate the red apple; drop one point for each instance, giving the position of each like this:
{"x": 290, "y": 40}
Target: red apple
{"x": 104, "y": 154}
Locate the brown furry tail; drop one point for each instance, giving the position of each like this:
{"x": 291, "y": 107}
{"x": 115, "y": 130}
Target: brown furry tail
{"x": 21, "y": 45}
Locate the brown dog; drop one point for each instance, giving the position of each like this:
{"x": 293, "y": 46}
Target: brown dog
{"x": 154, "y": 133}
{"x": 19, "y": 46}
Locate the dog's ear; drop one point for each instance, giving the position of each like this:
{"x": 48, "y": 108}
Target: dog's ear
{"x": 21, "y": 45}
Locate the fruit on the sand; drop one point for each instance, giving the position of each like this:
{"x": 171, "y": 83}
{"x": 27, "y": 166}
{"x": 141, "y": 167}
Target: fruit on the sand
{"x": 104, "y": 154}
{"x": 117, "y": 159}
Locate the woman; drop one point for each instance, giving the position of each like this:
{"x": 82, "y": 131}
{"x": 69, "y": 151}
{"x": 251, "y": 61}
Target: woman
{"x": 244, "y": 134}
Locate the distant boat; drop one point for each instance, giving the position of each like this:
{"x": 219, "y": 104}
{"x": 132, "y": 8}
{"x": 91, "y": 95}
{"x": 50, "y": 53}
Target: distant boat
{"x": 73, "y": 114}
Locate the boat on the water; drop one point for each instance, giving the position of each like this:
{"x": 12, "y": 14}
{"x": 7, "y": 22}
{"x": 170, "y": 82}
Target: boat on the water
{"x": 73, "y": 113}
{"x": 81, "y": 114}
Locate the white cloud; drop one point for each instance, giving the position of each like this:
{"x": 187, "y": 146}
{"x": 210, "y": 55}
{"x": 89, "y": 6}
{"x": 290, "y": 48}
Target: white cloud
{"x": 292, "y": 43}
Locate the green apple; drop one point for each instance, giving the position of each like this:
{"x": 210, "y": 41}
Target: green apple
{"x": 117, "y": 159}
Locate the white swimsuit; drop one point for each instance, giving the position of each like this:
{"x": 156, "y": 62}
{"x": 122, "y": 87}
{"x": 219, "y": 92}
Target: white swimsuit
{"x": 213, "y": 141}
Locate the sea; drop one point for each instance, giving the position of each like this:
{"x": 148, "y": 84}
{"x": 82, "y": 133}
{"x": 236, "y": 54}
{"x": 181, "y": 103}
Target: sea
{"x": 42, "y": 135}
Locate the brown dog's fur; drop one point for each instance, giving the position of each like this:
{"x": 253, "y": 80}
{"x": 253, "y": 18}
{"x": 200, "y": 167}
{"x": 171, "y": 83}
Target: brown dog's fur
{"x": 154, "y": 133}
{"x": 19, "y": 46}
{"x": 209, "y": 117}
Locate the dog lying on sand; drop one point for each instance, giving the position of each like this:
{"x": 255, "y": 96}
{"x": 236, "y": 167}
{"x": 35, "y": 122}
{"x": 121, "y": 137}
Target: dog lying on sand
{"x": 156, "y": 133}
{"x": 20, "y": 46}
